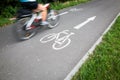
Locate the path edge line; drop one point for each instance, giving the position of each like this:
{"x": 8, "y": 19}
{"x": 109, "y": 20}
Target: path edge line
{"x": 79, "y": 64}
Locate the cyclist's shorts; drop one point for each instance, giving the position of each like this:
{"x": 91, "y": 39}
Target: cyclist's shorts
{"x": 29, "y": 5}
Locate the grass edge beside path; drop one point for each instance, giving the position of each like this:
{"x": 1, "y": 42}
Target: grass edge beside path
{"x": 104, "y": 62}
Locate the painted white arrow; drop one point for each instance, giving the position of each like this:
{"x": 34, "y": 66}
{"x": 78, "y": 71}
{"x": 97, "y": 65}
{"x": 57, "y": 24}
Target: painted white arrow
{"x": 85, "y": 22}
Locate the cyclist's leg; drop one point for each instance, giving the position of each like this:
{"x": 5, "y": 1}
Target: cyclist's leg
{"x": 43, "y": 12}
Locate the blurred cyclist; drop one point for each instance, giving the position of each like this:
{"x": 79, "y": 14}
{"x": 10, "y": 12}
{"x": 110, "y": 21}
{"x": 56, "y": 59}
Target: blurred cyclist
{"x": 35, "y": 7}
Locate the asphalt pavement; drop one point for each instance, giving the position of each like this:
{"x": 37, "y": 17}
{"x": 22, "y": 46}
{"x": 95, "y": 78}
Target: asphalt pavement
{"x": 37, "y": 59}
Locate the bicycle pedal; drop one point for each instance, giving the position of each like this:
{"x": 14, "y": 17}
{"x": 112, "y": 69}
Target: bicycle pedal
{"x": 31, "y": 27}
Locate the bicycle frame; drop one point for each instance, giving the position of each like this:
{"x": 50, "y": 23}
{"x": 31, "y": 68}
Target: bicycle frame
{"x": 34, "y": 16}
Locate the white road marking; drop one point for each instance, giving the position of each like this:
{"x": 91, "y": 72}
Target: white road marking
{"x": 85, "y": 22}
{"x": 63, "y": 13}
{"x": 59, "y": 42}
{"x": 75, "y": 9}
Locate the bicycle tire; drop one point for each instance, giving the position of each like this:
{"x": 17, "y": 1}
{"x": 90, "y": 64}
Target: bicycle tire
{"x": 21, "y": 33}
{"x": 53, "y": 18}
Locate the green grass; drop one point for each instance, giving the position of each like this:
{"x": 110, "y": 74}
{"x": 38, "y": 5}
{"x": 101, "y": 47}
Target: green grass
{"x": 56, "y": 5}
{"x": 59, "y": 5}
{"x": 4, "y": 21}
{"x": 104, "y": 63}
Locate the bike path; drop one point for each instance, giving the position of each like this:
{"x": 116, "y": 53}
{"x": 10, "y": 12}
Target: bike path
{"x": 33, "y": 60}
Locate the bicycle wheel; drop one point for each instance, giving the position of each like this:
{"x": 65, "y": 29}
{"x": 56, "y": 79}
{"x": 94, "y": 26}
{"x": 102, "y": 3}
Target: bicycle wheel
{"x": 61, "y": 45}
{"x": 48, "y": 38}
{"x": 53, "y": 18}
{"x": 22, "y": 34}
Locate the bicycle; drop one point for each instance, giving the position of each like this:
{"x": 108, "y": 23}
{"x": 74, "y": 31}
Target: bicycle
{"x": 28, "y": 18}
{"x": 60, "y": 42}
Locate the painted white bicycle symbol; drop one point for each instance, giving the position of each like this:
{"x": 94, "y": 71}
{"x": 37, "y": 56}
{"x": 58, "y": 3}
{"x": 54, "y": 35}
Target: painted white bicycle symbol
{"x": 60, "y": 42}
